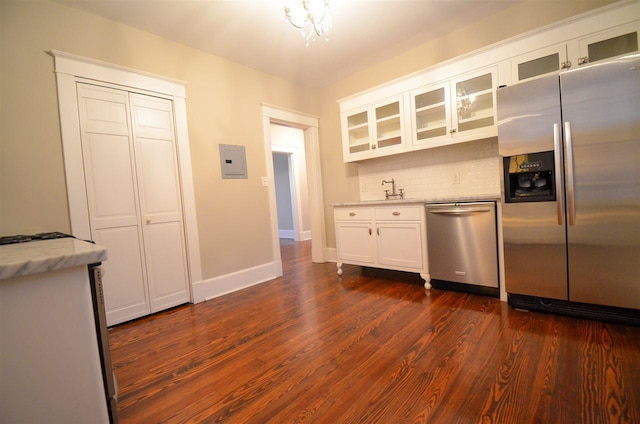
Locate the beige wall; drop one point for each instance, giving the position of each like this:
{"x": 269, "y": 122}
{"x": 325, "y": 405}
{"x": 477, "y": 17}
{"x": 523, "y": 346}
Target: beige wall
{"x": 223, "y": 106}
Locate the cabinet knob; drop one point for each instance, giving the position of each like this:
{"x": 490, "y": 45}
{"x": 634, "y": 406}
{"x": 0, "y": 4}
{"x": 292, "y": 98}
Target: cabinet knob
{"x": 352, "y": 214}
{"x": 565, "y": 65}
{"x": 396, "y": 213}
{"x": 583, "y": 60}
{"x": 147, "y": 221}
{"x": 452, "y": 130}
{"x": 373, "y": 146}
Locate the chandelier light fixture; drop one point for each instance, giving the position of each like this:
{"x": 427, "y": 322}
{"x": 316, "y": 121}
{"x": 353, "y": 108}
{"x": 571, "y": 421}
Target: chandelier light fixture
{"x": 311, "y": 17}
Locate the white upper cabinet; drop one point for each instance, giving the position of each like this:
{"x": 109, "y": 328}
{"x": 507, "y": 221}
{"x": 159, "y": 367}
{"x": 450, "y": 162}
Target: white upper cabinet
{"x": 431, "y": 115}
{"x": 601, "y": 45}
{"x": 455, "y": 101}
{"x": 606, "y": 44}
{"x": 439, "y": 117}
{"x": 474, "y": 106}
{"x": 539, "y": 62}
{"x": 374, "y": 130}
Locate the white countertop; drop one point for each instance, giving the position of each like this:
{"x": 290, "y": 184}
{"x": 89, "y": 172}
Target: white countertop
{"x": 47, "y": 255}
{"x": 423, "y": 201}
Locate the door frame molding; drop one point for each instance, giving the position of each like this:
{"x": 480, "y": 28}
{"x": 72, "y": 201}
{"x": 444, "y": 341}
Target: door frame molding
{"x": 70, "y": 69}
{"x": 309, "y": 124}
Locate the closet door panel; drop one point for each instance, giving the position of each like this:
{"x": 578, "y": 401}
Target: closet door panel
{"x": 114, "y": 216}
{"x": 159, "y": 188}
{"x": 133, "y": 190}
{"x": 104, "y": 111}
{"x": 110, "y": 181}
{"x": 166, "y": 266}
{"x": 107, "y": 152}
{"x": 125, "y": 292}
{"x": 153, "y": 117}
{"x": 159, "y": 182}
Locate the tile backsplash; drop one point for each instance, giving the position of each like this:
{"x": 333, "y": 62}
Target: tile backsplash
{"x": 469, "y": 169}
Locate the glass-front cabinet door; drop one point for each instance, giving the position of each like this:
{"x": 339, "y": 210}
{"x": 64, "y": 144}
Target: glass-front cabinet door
{"x": 474, "y": 103}
{"x": 430, "y": 114}
{"x": 388, "y": 125}
{"x": 374, "y": 130}
{"x": 607, "y": 44}
{"x": 540, "y": 62}
{"x": 358, "y": 132}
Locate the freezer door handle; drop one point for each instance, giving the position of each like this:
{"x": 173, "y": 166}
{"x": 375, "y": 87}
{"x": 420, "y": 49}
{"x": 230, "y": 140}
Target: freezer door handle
{"x": 557, "y": 157}
{"x": 571, "y": 202}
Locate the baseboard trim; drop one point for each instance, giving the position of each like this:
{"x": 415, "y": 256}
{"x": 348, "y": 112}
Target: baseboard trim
{"x": 330, "y": 254}
{"x": 229, "y": 283}
{"x": 305, "y": 235}
{"x": 287, "y": 234}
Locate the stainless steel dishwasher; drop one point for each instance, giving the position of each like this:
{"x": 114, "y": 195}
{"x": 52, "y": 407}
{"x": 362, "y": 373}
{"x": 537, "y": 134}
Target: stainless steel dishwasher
{"x": 462, "y": 246}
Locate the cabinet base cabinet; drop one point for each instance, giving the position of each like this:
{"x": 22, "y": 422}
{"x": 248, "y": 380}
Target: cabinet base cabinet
{"x": 388, "y": 237}
{"x": 355, "y": 242}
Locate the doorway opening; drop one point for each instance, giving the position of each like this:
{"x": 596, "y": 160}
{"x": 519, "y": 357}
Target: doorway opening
{"x": 290, "y": 182}
{"x": 315, "y": 203}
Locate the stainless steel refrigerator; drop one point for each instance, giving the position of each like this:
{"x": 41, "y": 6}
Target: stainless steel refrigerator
{"x": 570, "y": 149}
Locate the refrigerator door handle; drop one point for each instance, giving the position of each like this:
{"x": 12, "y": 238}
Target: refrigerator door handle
{"x": 571, "y": 202}
{"x": 557, "y": 157}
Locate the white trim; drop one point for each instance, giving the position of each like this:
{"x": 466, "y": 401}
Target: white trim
{"x": 331, "y": 254}
{"x": 296, "y": 206}
{"x": 271, "y": 194}
{"x": 78, "y": 66}
{"x": 71, "y": 69}
{"x": 225, "y": 284}
{"x": 309, "y": 124}
{"x": 188, "y": 192}
{"x": 287, "y": 234}
{"x": 72, "y": 152}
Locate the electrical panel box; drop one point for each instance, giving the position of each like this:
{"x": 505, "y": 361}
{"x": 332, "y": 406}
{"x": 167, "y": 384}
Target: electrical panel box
{"x": 233, "y": 162}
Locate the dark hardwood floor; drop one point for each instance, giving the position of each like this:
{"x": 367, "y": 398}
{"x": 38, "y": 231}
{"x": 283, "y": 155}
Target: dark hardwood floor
{"x": 371, "y": 347}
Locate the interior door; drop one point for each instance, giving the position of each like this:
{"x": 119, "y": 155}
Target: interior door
{"x": 161, "y": 209}
{"x": 107, "y": 150}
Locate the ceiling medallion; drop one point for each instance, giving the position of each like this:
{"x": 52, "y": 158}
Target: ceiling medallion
{"x": 311, "y": 17}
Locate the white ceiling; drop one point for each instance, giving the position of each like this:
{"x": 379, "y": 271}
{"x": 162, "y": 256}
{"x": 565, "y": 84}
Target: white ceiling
{"x": 254, "y": 32}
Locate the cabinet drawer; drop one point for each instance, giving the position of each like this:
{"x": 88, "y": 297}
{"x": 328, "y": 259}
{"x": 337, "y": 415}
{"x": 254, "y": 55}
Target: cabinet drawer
{"x": 400, "y": 213}
{"x": 352, "y": 214}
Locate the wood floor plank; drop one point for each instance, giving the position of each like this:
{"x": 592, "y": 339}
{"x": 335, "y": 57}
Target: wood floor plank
{"x": 370, "y": 347}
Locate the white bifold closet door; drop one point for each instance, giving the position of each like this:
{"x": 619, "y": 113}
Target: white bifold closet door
{"x": 133, "y": 193}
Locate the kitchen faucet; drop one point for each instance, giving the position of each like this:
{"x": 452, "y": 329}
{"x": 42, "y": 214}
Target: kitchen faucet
{"x": 393, "y": 193}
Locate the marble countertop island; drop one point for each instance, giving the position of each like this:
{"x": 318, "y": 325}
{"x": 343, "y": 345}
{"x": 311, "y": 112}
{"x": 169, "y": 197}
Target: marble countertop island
{"x": 47, "y": 255}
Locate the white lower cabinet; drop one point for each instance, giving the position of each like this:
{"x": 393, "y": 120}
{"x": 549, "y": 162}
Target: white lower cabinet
{"x": 400, "y": 245}
{"x": 383, "y": 236}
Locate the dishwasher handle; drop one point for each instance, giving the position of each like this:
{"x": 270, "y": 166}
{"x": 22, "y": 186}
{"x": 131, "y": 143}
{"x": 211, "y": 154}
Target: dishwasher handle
{"x": 457, "y": 211}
